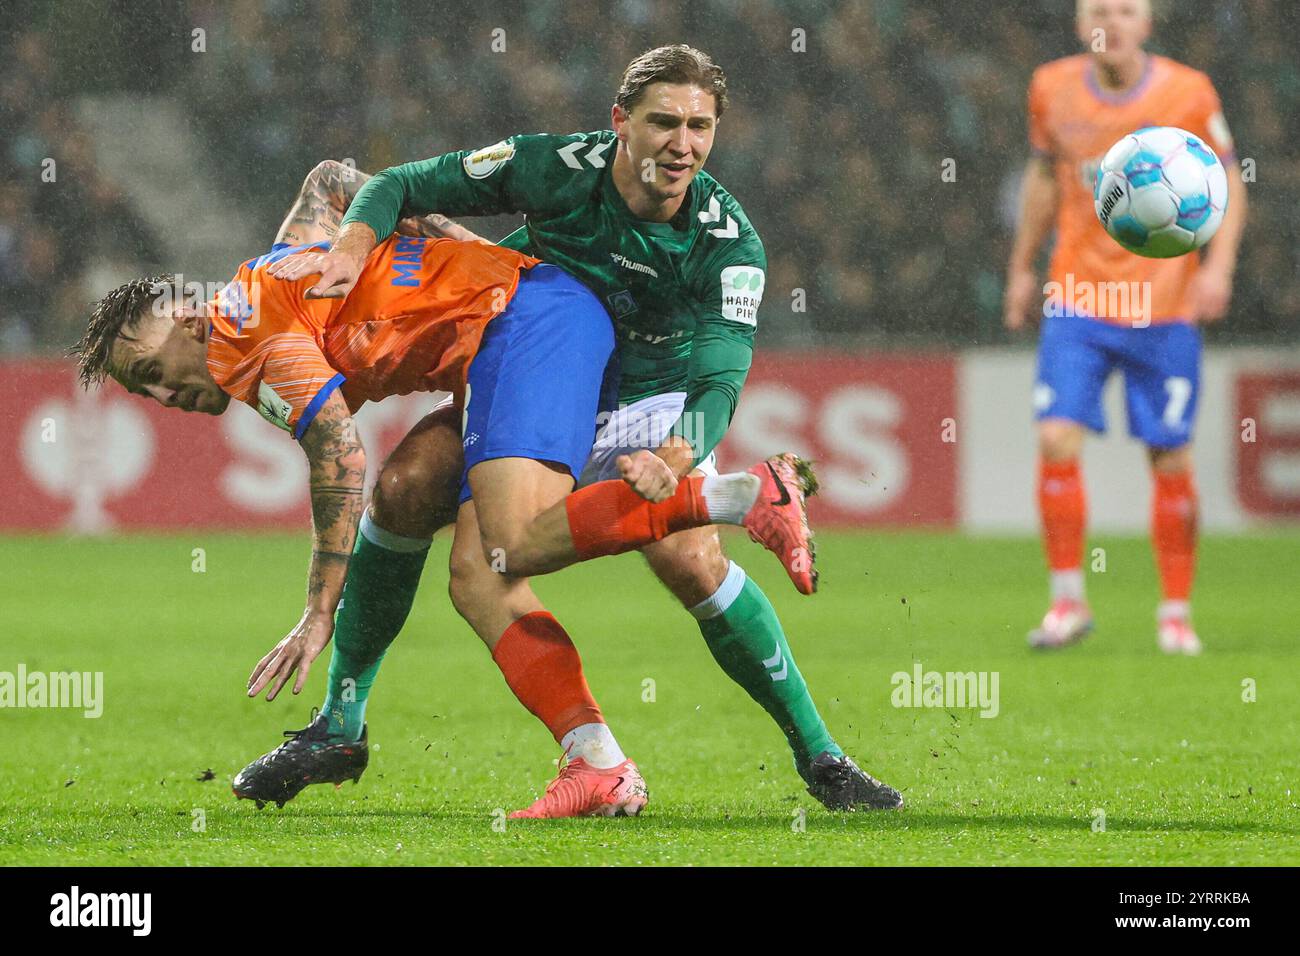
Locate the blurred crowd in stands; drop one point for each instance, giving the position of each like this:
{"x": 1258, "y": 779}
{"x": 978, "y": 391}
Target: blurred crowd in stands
{"x": 842, "y": 115}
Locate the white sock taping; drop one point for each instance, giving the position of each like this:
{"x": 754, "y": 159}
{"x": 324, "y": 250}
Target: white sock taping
{"x": 721, "y": 599}
{"x": 389, "y": 541}
{"x": 595, "y": 744}
{"x": 1067, "y": 584}
{"x": 729, "y": 497}
{"x": 1173, "y": 610}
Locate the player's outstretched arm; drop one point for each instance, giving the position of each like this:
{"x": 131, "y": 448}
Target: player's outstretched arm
{"x": 326, "y": 193}
{"x": 437, "y": 226}
{"x": 721, "y": 354}
{"x": 318, "y": 210}
{"x": 339, "y": 268}
{"x": 1038, "y": 198}
{"x": 338, "y": 473}
{"x": 529, "y": 174}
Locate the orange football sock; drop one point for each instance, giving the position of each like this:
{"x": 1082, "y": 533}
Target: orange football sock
{"x": 1064, "y": 511}
{"x": 610, "y": 518}
{"x": 542, "y": 667}
{"x": 1173, "y": 532}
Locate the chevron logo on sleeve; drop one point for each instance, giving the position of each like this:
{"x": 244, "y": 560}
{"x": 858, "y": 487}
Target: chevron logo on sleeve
{"x": 570, "y": 154}
{"x": 713, "y": 214}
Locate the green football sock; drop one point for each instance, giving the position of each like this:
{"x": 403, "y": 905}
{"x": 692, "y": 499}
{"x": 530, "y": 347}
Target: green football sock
{"x": 377, "y": 597}
{"x": 747, "y": 642}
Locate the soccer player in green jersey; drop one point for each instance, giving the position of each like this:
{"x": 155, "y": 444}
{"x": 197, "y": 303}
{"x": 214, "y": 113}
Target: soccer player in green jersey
{"x": 631, "y": 214}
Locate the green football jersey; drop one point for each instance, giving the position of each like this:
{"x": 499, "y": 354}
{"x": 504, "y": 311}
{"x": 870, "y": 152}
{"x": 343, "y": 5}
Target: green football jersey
{"x": 683, "y": 295}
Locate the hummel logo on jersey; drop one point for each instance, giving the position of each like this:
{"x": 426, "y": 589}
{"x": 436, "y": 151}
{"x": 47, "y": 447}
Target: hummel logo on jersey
{"x": 713, "y": 214}
{"x": 471, "y": 439}
{"x": 627, "y": 263}
{"x": 570, "y": 154}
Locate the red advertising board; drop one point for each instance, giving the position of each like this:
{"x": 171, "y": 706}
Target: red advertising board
{"x": 106, "y": 460}
{"x": 881, "y": 429}
{"x": 1268, "y": 454}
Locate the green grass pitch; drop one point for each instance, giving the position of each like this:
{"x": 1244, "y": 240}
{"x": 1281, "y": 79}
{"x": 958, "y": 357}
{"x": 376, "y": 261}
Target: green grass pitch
{"x": 1184, "y": 770}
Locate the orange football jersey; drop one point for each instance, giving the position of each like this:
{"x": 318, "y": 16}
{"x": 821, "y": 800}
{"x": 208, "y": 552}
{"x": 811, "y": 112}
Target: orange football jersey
{"x": 412, "y": 322}
{"x": 1073, "y": 122}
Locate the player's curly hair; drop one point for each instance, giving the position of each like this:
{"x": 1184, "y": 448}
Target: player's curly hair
{"x": 113, "y": 317}
{"x": 678, "y": 63}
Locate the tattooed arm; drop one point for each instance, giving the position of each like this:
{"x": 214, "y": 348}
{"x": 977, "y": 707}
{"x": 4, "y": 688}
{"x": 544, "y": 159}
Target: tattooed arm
{"x": 338, "y": 478}
{"x": 338, "y": 474}
{"x": 326, "y": 192}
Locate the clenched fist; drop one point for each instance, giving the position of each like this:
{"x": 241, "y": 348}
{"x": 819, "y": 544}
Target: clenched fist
{"x": 648, "y": 474}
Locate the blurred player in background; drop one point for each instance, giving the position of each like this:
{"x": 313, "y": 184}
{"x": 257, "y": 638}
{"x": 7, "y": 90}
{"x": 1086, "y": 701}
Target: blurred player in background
{"x": 1139, "y": 316}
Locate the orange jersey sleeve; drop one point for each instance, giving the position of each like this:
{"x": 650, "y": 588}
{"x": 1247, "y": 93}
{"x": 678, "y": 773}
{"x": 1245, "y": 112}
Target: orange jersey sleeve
{"x": 264, "y": 348}
{"x": 1210, "y": 123}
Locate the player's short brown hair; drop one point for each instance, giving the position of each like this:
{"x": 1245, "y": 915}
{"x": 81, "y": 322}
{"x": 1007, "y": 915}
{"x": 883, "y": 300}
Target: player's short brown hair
{"x": 114, "y": 315}
{"x": 678, "y": 63}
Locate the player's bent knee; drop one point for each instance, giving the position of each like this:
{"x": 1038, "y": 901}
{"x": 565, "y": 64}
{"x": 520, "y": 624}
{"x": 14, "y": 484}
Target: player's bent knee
{"x": 418, "y": 488}
{"x": 508, "y": 546}
{"x": 414, "y": 497}
{"x": 404, "y": 501}
{"x": 470, "y": 585}
{"x": 690, "y": 564}
{"x": 486, "y": 600}
{"x": 509, "y": 554}
{"x": 1171, "y": 461}
{"x": 1059, "y": 440}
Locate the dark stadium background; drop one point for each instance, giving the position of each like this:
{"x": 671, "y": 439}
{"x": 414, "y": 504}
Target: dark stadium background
{"x": 834, "y": 152}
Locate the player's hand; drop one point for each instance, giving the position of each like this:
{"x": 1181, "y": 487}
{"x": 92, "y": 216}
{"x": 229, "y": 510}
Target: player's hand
{"x": 678, "y": 454}
{"x": 338, "y": 272}
{"x": 1018, "y": 298}
{"x": 648, "y": 474}
{"x": 1209, "y": 294}
{"x": 295, "y": 653}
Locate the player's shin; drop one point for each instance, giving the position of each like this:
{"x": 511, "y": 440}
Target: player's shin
{"x": 610, "y": 518}
{"x": 544, "y": 671}
{"x": 745, "y": 637}
{"x": 1063, "y": 508}
{"x": 1173, "y": 533}
{"x": 383, "y": 576}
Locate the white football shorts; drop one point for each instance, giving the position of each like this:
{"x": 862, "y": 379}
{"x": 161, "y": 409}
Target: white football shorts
{"x": 643, "y": 424}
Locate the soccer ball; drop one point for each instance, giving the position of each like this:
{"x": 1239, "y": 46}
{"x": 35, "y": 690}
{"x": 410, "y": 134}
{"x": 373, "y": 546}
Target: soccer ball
{"x": 1161, "y": 192}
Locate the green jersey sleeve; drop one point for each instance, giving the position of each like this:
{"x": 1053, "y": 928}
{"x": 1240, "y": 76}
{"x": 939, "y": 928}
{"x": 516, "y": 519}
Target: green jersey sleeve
{"x": 532, "y": 174}
{"x": 731, "y": 288}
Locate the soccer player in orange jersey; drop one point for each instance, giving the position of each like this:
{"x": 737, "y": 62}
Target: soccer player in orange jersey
{"x": 524, "y": 348}
{"x": 1107, "y": 309}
